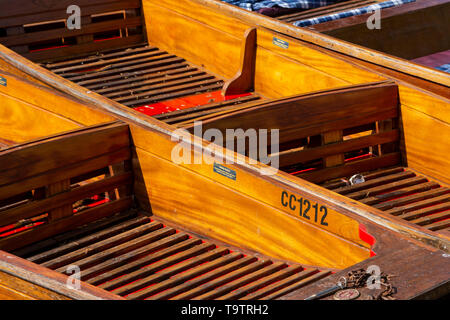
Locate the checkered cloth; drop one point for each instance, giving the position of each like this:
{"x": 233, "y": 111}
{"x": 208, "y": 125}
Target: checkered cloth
{"x": 445, "y": 68}
{"x": 255, "y": 5}
{"x": 350, "y": 13}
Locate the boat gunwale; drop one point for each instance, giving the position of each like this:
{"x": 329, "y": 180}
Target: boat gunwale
{"x": 329, "y": 42}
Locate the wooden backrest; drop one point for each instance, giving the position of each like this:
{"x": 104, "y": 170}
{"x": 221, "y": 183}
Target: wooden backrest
{"x": 38, "y": 28}
{"x": 59, "y": 183}
{"x": 321, "y": 132}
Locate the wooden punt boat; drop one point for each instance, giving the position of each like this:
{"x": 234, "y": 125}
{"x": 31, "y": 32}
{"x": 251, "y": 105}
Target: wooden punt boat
{"x": 415, "y": 30}
{"x": 216, "y": 231}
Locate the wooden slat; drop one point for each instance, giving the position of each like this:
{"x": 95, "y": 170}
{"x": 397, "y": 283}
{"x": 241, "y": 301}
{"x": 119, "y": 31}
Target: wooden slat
{"x": 426, "y": 211}
{"x": 352, "y": 168}
{"x": 63, "y": 238}
{"x": 193, "y": 283}
{"x": 371, "y": 175}
{"x": 404, "y": 192}
{"x": 375, "y": 182}
{"x": 260, "y": 284}
{"x": 159, "y": 97}
{"x": 82, "y": 49}
{"x": 143, "y": 261}
{"x": 162, "y": 264}
{"x": 149, "y": 73}
{"x": 63, "y": 199}
{"x": 220, "y": 291}
{"x": 72, "y": 170}
{"x": 184, "y": 276}
{"x": 279, "y": 285}
{"x": 117, "y": 250}
{"x": 68, "y": 149}
{"x": 294, "y": 156}
{"x": 29, "y": 38}
{"x": 403, "y": 210}
{"x": 298, "y": 285}
{"x": 102, "y": 245}
{"x": 170, "y": 271}
{"x": 201, "y": 289}
{"x": 316, "y": 113}
{"x": 45, "y": 231}
{"x": 167, "y": 60}
{"x": 87, "y": 240}
{"x": 430, "y": 219}
{"x": 30, "y": 12}
{"x": 386, "y": 188}
{"x": 133, "y": 255}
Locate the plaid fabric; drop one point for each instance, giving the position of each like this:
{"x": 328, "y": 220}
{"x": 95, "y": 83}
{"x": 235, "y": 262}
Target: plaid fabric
{"x": 445, "y": 68}
{"x": 350, "y": 13}
{"x": 255, "y": 5}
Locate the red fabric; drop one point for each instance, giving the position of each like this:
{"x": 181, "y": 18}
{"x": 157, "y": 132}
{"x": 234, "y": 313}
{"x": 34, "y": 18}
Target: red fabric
{"x": 186, "y": 102}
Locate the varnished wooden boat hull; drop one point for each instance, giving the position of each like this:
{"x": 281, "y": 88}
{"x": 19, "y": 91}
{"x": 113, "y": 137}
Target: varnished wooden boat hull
{"x": 249, "y": 212}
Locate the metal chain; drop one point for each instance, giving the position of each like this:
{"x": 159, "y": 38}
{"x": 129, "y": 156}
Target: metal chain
{"x": 358, "y": 279}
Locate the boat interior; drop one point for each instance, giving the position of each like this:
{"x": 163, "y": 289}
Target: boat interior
{"x": 93, "y": 196}
{"x": 415, "y": 31}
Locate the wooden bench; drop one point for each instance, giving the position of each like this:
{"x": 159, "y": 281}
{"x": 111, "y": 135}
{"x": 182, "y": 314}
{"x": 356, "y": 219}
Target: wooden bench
{"x": 43, "y": 183}
{"x": 320, "y": 133}
{"x": 38, "y": 29}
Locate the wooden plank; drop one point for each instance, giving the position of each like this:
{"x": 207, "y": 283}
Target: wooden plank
{"x": 315, "y": 113}
{"x": 122, "y": 260}
{"x": 402, "y": 193}
{"x": 29, "y": 38}
{"x": 375, "y": 182}
{"x": 298, "y": 285}
{"x": 63, "y": 211}
{"x": 294, "y": 156}
{"x": 254, "y": 276}
{"x": 72, "y": 170}
{"x": 185, "y": 276}
{"x": 65, "y": 237}
{"x": 102, "y": 245}
{"x": 130, "y": 289}
{"x": 403, "y": 210}
{"x": 47, "y": 230}
{"x": 227, "y": 278}
{"x": 261, "y": 283}
{"x": 127, "y": 282}
{"x": 386, "y": 188}
{"x": 67, "y": 149}
{"x": 87, "y": 240}
{"x": 425, "y": 211}
{"x": 279, "y": 285}
{"x": 352, "y": 168}
{"x": 119, "y": 249}
{"x": 82, "y": 49}
{"x": 118, "y": 271}
{"x": 205, "y": 278}
{"x": 333, "y": 137}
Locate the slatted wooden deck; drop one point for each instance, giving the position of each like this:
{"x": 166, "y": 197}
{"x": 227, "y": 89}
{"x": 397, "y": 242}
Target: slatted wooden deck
{"x": 137, "y": 257}
{"x": 402, "y": 193}
{"x": 144, "y": 75}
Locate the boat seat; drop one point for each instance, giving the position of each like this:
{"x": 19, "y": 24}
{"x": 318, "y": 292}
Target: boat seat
{"x": 50, "y": 186}
{"x": 38, "y": 29}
